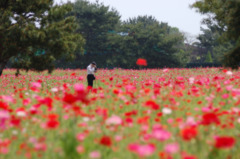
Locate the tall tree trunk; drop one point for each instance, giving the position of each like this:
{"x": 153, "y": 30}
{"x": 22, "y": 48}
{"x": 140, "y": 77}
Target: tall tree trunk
{"x": 2, "y": 66}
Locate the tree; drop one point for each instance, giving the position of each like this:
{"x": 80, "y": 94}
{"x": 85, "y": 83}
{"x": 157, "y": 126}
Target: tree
{"x": 147, "y": 38}
{"x": 221, "y": 49}
{"x": 183, "y": 55}
{"x": 95, "y": 21}
{"x": 35, "y": 33}
{"x": 211, "y": 40}
{"x": 207, "y": 40}
{"x": 225, "y": 15}
{"x": 209, "y": 58}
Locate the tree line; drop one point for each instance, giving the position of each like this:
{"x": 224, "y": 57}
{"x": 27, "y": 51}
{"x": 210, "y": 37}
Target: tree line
{"x": 38, "y": 35}
{"x": 115, "y": 43}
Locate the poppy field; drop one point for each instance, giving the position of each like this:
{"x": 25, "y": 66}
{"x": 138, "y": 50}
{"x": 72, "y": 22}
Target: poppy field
{"x": 128, "y": 114}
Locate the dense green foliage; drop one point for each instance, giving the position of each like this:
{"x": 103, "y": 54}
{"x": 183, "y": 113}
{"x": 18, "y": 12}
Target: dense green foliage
{"x": 112, "y": 43}
{"x": 209, "y": 58}
{"x": 211, "y": 41}
{"x": 95, "y": 21}
{"x": 147, "y": 38}
{"x": 38, "y": 35}
{"x": 226, "y": 16}
{"x": 33, "y": 34}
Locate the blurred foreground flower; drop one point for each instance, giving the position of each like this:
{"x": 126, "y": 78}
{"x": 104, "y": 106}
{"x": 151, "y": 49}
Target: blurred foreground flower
{"x": 142, "y": 150}
{"x": 4, "y": 145}
{"x": 106, "y": 141}
{"x": 224, "y": 142}
{"x": 4, "y": 116}
{"x": 172, "y": 148}
{"x": 95, "y": 154}
{"x": 189, "y": 133}
{"x": 114, "y": 119}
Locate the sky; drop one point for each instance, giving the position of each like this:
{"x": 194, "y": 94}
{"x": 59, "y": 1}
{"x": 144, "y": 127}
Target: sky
{"x": 176, "y": 13}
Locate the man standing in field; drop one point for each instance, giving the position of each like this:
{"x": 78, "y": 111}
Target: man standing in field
{"x": 91, "y": 69}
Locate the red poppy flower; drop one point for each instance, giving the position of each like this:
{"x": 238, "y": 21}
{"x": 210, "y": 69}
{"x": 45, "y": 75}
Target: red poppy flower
{"x": 15, "y": 121}
{"x": 52, "y": 116}
{"x": 52, "y": 124}
{"x": 152, "y": 105}
{"x": 69, "y": 98}
{"x": 159, "y": 114}
{"x": 143, "y": 120}
{"x": 4, "y": 106}
{"x": 73, "y": 74}
{"x": 224, "y": 71}
{"x": 210, "y": 118}
{"x": 189, "y": 157}
{"x": 141, "y": 62}
{"x": 189, "y": 133}
{"x": 224, "y": 142}
{"x": 129, "y": 120}
{"x": 116, "y": 91}
{"x": 47, "y": 101}
{"x": 106, "y": 141}
{"x": 134, "y": 112}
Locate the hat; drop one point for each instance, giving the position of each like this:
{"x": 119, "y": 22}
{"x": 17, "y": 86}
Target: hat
{"x": 94, "y": 63}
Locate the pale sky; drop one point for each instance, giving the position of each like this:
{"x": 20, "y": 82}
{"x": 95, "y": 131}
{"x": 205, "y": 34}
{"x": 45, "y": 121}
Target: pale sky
{"x": 176, "y": 13}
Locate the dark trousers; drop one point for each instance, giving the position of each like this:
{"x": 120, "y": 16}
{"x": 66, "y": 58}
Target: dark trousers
{"x": 90, "y": 79}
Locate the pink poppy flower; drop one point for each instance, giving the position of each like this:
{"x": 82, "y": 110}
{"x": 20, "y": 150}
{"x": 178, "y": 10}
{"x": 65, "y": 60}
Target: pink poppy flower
{"x": 161, "y": 135}
{"x": 80, "y": 149}
{"x": 225, "y": 96}
{"x": 81, "y": 136}
{"x": 142, "y": 150}
{"x": 172, "y": 148}
{"x": 4, "y": 116}
{"x": 114, "y": 119}
{"x": 95, "y": 154}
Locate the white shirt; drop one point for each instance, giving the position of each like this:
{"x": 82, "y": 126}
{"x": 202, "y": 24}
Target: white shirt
{"x": 90, "y": 70}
